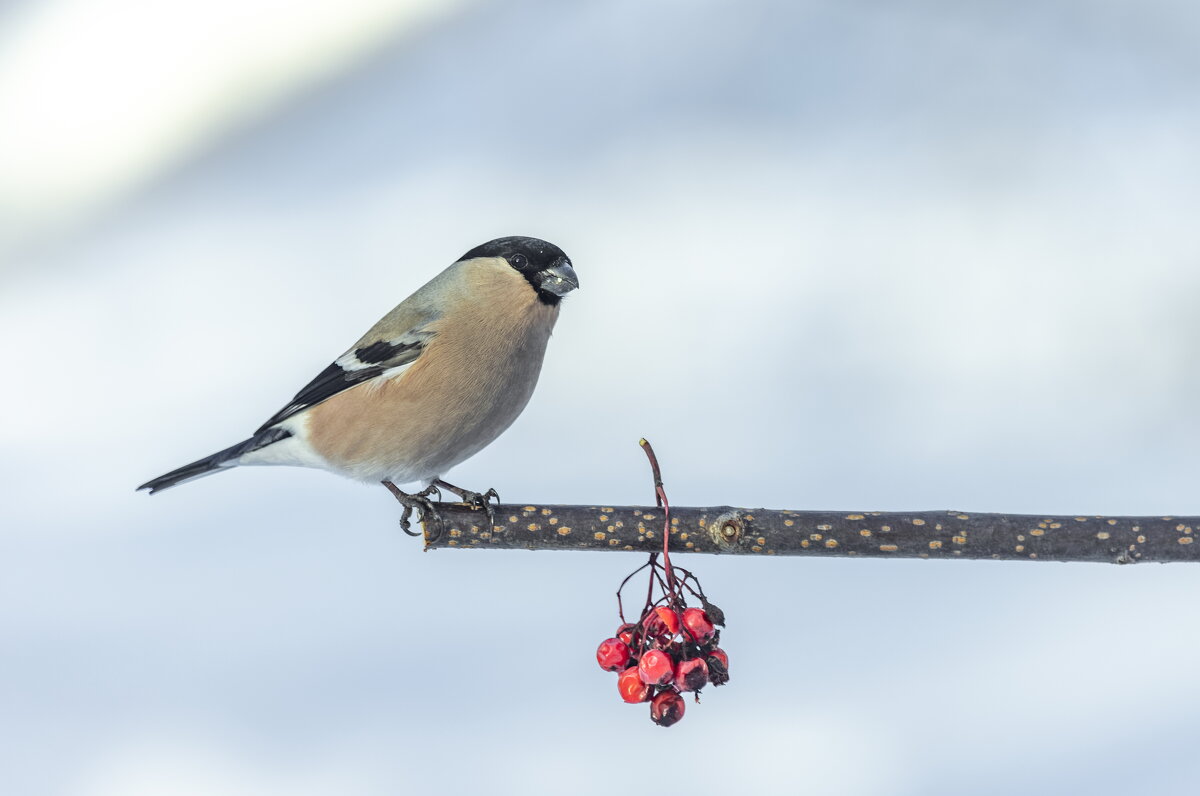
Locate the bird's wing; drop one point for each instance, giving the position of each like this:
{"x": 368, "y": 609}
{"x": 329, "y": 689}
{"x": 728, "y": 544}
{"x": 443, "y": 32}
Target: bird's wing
{"x": 397, "y": 340}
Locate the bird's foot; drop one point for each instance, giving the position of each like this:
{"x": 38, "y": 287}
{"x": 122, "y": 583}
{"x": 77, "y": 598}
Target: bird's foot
{"x": 418, "y": 500}
{"x": 471, "y": 498}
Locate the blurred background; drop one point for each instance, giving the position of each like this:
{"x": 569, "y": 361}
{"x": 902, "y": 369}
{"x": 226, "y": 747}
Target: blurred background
{"x": 834, "y": 255}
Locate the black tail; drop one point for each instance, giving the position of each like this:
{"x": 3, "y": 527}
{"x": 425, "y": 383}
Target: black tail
{"x": 218, "y": 461}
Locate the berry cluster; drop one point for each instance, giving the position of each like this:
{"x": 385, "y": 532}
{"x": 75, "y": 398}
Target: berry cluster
{"x": 671, "y": 649}
{"x": 665, "y": 654}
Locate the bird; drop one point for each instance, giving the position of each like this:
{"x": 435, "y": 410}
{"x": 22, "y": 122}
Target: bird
{"x": 431, "y": 384}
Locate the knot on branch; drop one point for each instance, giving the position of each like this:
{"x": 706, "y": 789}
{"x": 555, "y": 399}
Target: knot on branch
{"x": 727, "y": 529}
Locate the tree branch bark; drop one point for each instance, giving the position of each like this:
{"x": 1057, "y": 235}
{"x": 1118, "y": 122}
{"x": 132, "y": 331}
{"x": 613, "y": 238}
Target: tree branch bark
{"x": 901, "y": 534}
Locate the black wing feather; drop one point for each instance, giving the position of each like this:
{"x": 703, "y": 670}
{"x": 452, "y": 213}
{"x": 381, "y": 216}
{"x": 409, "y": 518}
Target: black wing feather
{"x": 378, "y": 357}
{"x": 328, "y": 383}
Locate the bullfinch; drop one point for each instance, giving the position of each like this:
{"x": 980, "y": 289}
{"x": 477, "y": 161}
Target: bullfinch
{"x": 430, "y": 385}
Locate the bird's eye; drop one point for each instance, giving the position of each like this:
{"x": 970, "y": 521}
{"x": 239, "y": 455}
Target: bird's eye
{"x": 519, "y": 261}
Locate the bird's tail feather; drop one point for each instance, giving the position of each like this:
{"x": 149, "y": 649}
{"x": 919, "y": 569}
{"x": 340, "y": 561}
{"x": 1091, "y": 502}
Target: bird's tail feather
{"x": 216, "y": 462}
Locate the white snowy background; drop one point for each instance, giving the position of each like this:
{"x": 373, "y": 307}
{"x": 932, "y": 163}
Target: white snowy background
{"x": 834, "y": 255}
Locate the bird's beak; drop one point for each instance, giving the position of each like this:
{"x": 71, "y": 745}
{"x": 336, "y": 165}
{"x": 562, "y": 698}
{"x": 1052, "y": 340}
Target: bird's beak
{"x": 559, "y": 279}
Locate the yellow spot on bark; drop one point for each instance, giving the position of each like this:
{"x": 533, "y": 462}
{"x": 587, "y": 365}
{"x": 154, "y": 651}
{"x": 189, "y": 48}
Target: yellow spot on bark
{"x": 683, "y": 535}
{"x": 918, "y": 522}
{"x": 963, "y": 516}
{"x": 529, "y": 509}
{"x": 1056, "y": 525}
{"x": 701, "y": 523}
{"x": 533, "y": 526}
{"x": 855, "y": 517}
{"x": 864, "y": 532}
{"x": 1037, "y": 532}
{"x": 553, "y": 520}
{"x": 1020, "y": 537}
{"x": 756, "y": 549}
{"x": 545, "y": 512}
{"x": 628, "y": 547}
{"x": 603, "y": 518}
{"x": 762, "y": 540}
{"x": 1033, "y": 555}
{"x": 824, "y": 527}
{"x": 1185, "y": 540}
{"x": 690, "y": 544}
{"x": 1081, "y": 519}
{"x": 959, "y": 539}
{"x": 937, "y": 527}
{"x": 889, "y": 548}
{"x": 1180, "y": 527}
{"x": 565, "y": 531}
{"x": 613, "y": 542}
{"x": 512, "y": 519}
{"x": 1141, "y": 539}
{"x": 789, "y": 523}
{"x": 935, "y": 545}
{"x": 804, "y": 543}
{"x": 453, "y": 543}
{"x": 1020, "y": 548}
{"x": 1112, "y": 522}
{"x": 1102, "y": 534}
{"x": 606, "y": 509}
{"x": 885, "y": 527}
{"x": 816, "y": 537}
{"x": 831, "y": 543}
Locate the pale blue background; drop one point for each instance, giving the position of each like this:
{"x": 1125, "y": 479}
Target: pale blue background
{"x": 836, "y": 255}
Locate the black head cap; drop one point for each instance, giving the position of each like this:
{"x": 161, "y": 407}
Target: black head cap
{"x": 545, "y": 266}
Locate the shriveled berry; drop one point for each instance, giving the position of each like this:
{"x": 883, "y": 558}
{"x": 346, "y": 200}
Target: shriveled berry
{"x": 613, "y": 655}
{"x": 628, "y": 633}
{"x": 666, "y": 708}
{"x": 691, "y": 675}
{"x": 631, "y": 686}
{"x": 718, "y": 666}
{"x": 656, "y": 668}
{"x": 697, "y": 625}
{"x": 669, "y": 618}
{"x": 715, "y": 614}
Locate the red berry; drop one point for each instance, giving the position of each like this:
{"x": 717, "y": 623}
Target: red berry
{"x": 697, "y": 625}
{"x": 613, "y": 655}
{"x": 669, "y": 618}
{"x": 666, "y": 708}
{"x": 718, "y": 666}
{"x": 627, "y": 633}
{"x": 631, "y": 686}
{"x": 655, "y": 668}
{"x": 691, "y": 675}
{"x": 652, "y": 626}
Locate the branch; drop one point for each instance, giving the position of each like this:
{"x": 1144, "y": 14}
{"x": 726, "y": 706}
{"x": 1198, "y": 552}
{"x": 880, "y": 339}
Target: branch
{"x": 901, "y": 534}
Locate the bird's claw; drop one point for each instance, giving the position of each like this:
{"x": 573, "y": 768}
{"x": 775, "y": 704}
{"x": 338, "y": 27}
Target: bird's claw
{"x": 419, "y": 500}
{"x": 479, "y": 500}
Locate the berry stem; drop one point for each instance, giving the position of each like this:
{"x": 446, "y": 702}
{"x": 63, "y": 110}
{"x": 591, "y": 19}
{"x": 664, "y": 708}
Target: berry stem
{"x": 660, "y": 497}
